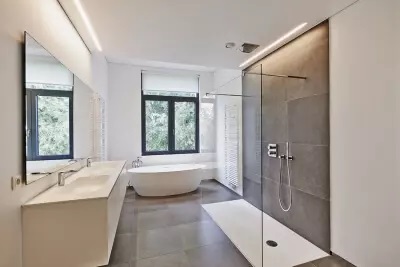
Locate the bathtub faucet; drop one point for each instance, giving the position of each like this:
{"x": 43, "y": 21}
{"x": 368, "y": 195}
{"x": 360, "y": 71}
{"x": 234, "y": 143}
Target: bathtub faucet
{"x": 137, "y": 163}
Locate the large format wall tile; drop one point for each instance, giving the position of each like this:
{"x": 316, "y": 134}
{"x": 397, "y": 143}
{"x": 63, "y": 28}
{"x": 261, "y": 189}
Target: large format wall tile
{"x": 271, "y": 201}
{"x": 310, "y": 169}
{"x": 274, "y": 89}
{"x": 309, "y": 215}
{"x": 252, "y": 192}
{"x": 274, "y": 122}
{"x": 313, "y": 63}
{"x": 295, "y": 111}
{"x": 271, "y": 165}
{"x": 309, "y": 120}
{"x": 311, "y": 218}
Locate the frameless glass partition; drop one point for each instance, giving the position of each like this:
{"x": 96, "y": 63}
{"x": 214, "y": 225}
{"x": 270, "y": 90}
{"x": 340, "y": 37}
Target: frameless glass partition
{"x": 252, "y": 157}
{"x": 239, "y": 153}
{"x": 255, "y": 159}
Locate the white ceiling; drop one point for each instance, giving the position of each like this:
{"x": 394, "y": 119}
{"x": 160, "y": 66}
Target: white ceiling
{"x": 193, "y": 32}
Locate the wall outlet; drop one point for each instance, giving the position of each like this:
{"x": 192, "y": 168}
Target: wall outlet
{"x": 16, "y": 181}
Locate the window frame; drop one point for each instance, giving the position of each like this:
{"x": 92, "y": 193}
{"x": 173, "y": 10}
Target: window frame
{"x": 171, "y": 123}
{"x": 32, "y": 144}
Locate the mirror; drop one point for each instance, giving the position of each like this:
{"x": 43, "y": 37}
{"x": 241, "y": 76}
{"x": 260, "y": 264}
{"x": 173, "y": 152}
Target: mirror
{"x": 58, "y": 114}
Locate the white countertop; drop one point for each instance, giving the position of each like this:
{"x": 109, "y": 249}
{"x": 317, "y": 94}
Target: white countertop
{"x": 92, "y": 182}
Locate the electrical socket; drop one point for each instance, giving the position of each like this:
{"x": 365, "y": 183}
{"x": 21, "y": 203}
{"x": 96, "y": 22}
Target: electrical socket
{"x": 16, "y": 181}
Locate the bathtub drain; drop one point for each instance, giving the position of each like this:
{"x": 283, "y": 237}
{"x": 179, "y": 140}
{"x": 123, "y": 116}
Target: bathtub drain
{"x": 272, "y": 243}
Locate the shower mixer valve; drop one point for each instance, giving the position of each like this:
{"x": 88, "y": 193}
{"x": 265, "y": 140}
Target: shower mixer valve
{"x": 273, "y": 150}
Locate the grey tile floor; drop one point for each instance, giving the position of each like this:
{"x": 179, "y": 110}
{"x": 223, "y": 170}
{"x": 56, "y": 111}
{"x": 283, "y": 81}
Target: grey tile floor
{"x": 330, "y": 261}
{"x": 174, "y": 232}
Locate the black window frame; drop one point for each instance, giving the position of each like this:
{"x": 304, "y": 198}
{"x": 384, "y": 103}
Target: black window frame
{"x": 171, "y": 123}
{"x": 32, "y": 144}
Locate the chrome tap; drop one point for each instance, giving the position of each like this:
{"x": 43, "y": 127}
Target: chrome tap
{"x": 61, "y": 176}
{"x": 89, "y": 162}
{"x": 137, "y": 163}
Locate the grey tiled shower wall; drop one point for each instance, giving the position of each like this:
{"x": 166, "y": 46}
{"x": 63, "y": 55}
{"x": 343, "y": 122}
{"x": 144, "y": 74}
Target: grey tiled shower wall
{"x": 296, "y": 111}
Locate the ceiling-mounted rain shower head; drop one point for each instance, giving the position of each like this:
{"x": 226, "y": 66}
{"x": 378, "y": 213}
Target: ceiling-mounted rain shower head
{"x": 248, "y": 48}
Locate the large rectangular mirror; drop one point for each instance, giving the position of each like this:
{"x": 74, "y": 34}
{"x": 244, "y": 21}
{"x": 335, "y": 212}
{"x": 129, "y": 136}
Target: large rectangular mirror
{"x": 58, "y": 114}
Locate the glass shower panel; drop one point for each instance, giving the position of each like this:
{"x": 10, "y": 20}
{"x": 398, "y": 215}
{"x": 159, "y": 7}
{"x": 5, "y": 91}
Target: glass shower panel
{"x": 252, "y": 162}
{"x": 237, "y": 106}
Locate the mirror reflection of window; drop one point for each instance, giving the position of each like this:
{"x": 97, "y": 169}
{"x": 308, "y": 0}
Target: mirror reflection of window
{"x": 49, "y": 129}
{"x": 49, "y": 105}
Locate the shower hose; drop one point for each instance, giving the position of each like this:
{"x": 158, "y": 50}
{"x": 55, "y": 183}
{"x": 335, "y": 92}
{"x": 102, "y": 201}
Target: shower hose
{"x": 281, "y": 185}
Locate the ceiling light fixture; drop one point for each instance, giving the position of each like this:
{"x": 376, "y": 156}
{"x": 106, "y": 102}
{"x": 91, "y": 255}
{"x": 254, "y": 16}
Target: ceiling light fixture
{"x": 89, "y": 26}
{"x": 274, "y": 44}
{"x": 230, "y": 45}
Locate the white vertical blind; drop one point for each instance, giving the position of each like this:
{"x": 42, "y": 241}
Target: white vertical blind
{"x": 153, "y": 81}
{"x": 47, "y": 71}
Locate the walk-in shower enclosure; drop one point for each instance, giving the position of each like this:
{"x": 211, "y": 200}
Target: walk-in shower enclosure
{"x": 285, "y": 140}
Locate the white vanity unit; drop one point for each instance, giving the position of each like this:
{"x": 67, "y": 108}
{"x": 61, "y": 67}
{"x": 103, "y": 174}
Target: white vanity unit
{"x": 74, "y": 225}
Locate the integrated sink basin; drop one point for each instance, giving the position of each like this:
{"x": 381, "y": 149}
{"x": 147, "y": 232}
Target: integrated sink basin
{"x": 90, "y": 182}
{"x": 85, "y": 186}
{"x": 62, "y": 222}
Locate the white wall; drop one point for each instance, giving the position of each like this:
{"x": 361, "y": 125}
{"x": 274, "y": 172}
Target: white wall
{"x": 228, "y": 82}
{"x": 83, "y": 120}
{"x": 124, "y": 117}
{"x": 45, "y": 21}
{"x": 365, "y": 191}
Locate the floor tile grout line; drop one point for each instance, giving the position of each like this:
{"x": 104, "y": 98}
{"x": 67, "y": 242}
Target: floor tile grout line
{"x": 182, "y": 250}
{"x": 216, "y": 193}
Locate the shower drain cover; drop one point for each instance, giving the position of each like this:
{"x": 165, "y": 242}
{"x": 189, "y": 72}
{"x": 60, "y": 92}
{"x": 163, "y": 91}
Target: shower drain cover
{"x": 272, "y": 243}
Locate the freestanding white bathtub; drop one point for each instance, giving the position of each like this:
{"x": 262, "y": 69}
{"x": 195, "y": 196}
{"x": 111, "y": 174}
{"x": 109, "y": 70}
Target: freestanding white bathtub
{"x": 166, "y": 180}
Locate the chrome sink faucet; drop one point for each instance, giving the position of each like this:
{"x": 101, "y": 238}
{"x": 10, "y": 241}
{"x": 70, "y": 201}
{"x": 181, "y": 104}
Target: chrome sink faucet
{"x": 89, "y": 162}
{"x": 61, "y": 176}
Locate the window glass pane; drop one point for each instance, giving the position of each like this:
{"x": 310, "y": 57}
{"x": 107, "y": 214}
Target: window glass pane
{"x": 53, "y": 125}
{"x": 185, "y": 126}
{"x": 207, "y": 127}
{"x": 156, "y": 126}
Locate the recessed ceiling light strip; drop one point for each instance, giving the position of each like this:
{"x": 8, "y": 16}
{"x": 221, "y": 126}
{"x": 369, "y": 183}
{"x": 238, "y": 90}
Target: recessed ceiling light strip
{"x": 274, "y": 44}
{"x": 73, "y": 25}
{"x": 89, "y": 26}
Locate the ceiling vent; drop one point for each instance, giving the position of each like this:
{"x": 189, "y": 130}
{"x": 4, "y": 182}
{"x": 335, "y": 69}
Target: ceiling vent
{"x": 248, "y": 48}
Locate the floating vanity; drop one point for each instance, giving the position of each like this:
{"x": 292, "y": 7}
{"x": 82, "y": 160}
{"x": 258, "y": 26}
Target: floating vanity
{"x": 74, "y": 225}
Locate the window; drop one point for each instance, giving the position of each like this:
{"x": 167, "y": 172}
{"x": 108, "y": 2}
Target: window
{"x": 207, "y": 124}
{"x": 49, "y": 128}
{"x": 170, "y": 122}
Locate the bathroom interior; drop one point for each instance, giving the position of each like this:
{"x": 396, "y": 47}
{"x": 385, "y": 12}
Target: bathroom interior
{"x": 199, "y": 134}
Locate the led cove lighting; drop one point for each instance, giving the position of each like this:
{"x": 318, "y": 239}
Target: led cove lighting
{"x": 266, "y": 49}
{"x": 86, "y": 20}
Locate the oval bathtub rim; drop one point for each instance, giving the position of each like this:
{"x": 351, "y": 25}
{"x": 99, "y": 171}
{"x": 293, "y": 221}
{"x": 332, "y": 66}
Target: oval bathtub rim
{"x": 146, "y": 169}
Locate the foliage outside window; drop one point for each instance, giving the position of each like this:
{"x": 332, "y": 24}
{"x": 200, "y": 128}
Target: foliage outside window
{"x": 49, "y": 124}
{"x": 170, "y": 122}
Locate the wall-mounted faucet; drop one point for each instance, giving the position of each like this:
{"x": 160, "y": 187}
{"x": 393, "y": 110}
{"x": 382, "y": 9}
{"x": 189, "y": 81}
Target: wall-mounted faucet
{"x": 273, "y": 152}
{"x": 89, "y": 162}
{"x": 137, "y": 163}
{"x": 61, "y": 176}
